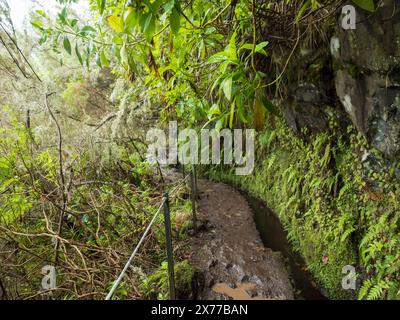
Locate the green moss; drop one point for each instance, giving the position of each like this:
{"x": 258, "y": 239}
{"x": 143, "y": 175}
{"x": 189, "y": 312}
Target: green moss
{"x": 354, "y": 71}
{"x": 317, "y": 190}
{"x": 155, "y": 286}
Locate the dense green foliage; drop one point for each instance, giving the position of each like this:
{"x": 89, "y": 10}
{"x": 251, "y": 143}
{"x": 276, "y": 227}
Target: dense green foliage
{"x": 172, "y": 45}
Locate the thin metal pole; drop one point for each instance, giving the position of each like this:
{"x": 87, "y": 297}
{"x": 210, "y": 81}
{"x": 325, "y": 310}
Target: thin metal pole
{"x": 195, "y": 181}
{"x": 170, "y": 252}
{"x": 193, "y": 194}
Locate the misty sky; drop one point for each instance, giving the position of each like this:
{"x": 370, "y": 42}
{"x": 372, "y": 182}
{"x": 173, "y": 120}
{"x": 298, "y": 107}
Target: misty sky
{"x": 20, "y": 9}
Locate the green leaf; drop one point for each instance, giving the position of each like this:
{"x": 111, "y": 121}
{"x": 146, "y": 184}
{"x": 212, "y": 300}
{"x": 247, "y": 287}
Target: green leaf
{"x": 367, "y": 284}
{"x": 214, "y": 110}
{"x": 368, "y": 5}
{"x": 87, "y": 29}
{"x": 41, "y": 13}
{"x": 98, "y": 60}
{"x": 101, "y": 4}
{"x": 104, "y": 60}
{"x": 130, "y": 18}
{"x": 269, "y": 105}
{"x": 73, "y": 22}
{"x": 202, "y": 50}
{"x": 218, "y": 57}
{"x": 78, "y": 54}
{"x": 117, "y": 40}
{"x": 43, "y": 39}
{"x": 260, "y": 47}
{"x": 115, "y": 23}
{"x": 258, "y": 113}
{"x": 232, "y": 115}
{"x": 37, "y": 24}
{"x": 123, "y": 55}
{"x": 240, "y": 108}
{"x": 169, "y": 6}
{"x": 247, "y": 46}
{"x": 67, "y": 45}
{"x": 175, "y": 20}
{"x": 227, "y": 87}
{"x": 302, "y": 10}
{"x": 148, "y": 25}
{"x": 63, "y": 15}
{"x": 220, "y": 123}
{"x": 231, "y": 48}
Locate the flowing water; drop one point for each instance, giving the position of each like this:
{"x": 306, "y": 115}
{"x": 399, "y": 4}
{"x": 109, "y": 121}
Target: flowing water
{"x": 274, "y": 236}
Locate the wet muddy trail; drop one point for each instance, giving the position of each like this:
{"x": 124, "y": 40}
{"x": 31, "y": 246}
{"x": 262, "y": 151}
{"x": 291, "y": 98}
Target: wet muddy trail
{"x": 229, "y": 251}
{"x": 242, "y": 250}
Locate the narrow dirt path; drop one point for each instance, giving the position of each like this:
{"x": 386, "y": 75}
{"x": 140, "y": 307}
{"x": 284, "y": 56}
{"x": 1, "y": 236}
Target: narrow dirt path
{"x": 229, "y": 252}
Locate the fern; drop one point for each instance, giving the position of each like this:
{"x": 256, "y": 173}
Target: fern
{"x": 377, "y": 290}
{"x": 394, "y": 292}
{"x": 364, "y": 289}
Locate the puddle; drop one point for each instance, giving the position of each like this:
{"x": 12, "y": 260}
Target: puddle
{"x": 238, "y": 293}
{"x": 274, "y": 236}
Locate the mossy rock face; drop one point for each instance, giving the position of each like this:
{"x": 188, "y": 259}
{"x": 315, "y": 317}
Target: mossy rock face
{"x": 311, "y": 89}
{"x": 368, "y": 80}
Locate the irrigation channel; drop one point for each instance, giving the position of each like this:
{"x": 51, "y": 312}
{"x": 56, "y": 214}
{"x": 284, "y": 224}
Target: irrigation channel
{"x": 274, "y": 236}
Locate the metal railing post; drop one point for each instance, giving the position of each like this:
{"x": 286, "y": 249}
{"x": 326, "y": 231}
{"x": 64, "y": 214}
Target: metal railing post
{"x": 195, "y": 181}
{"x": 170, "y": 252}
{"x": 193, "y": 193}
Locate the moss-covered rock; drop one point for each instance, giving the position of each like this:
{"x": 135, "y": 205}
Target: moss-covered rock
{"x": 367, "y": 81}
{"x": 155, "y": 286}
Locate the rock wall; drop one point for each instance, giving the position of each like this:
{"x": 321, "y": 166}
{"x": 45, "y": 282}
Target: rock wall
{"x": 367, "y": 75}
{"x": 359, "y": 81}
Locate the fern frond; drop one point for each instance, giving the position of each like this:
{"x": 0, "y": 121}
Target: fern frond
{"x": 377, "y": 290}
{"x": 364, "y": 289}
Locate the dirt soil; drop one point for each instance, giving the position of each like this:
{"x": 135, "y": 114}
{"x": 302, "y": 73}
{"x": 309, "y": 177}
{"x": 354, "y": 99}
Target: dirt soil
{"x": 228, "y": 250}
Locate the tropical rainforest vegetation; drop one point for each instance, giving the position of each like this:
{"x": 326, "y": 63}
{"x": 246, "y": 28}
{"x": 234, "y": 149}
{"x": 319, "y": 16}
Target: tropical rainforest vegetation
{"x": 80, "y": 87}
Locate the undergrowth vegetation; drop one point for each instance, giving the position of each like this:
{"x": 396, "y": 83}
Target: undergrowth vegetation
{"x": 104, "y": 210}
